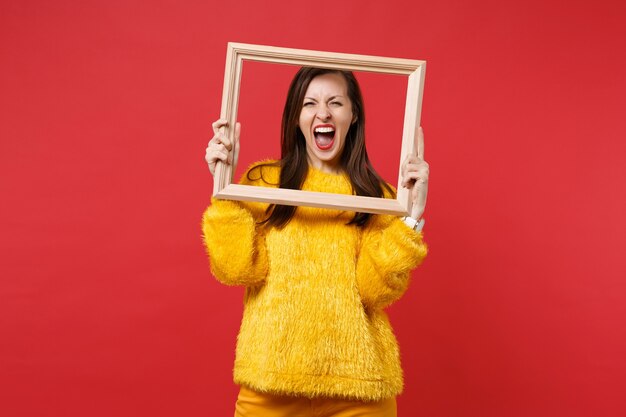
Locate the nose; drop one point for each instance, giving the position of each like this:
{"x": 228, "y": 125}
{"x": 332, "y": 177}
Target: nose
{"x": 323, "y": 112}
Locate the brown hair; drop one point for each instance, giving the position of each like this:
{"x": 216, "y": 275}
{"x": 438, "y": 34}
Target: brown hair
{"x": 294, "y": 164}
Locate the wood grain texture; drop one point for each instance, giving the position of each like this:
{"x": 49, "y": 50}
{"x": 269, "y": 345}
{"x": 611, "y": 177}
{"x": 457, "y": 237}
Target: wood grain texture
{"x": 237, "y": 53}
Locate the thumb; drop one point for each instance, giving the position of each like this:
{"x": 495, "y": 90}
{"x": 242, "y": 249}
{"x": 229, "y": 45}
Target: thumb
{"x": 418, "y": 196}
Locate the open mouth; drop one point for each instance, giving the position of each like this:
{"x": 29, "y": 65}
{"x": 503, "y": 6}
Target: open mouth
{"x": 324, "y": 137}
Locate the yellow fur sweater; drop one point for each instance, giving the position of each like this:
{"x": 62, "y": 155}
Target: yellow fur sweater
{"x": 313, "y": 322}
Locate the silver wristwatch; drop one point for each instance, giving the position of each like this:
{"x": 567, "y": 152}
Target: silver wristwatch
{"x": 416, "y": 225}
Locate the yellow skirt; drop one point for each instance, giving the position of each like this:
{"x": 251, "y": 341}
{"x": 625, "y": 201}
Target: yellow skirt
{"x": 251, "y": 403}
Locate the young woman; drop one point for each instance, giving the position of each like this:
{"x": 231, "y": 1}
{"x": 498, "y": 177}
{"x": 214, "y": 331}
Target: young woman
{"x": 314, "y": 338}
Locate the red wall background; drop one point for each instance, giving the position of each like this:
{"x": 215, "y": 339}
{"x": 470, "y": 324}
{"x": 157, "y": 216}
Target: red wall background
{"x": 107, "y": 306}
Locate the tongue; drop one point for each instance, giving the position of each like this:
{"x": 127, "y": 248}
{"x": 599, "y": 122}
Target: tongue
{"x": 324, "y": 139}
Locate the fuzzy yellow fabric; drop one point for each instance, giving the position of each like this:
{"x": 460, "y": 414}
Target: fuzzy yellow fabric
{"x": 313, "y": 322}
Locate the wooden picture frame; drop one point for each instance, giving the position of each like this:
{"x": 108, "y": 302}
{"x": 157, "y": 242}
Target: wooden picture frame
{"x": 237, "y": 53}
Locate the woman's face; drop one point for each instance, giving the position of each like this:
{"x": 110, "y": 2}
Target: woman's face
{"x": 325, "y": 119}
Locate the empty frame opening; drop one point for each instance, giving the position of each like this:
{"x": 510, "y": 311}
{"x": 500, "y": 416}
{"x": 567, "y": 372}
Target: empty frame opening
{"x": 262, "y": 96}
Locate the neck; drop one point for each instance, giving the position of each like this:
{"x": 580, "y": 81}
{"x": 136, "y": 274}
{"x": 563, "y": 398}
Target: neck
{"x": 325, "y": 167}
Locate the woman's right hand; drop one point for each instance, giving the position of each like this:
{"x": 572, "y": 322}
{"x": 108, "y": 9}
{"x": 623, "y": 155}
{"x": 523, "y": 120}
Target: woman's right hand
{"x": 220, "y": 148}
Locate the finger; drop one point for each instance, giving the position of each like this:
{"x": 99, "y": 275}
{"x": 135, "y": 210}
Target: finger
{"x": 223, "y": 139}
{"x": 420, "y": 143}
{"x": 226, "y": 142}
{"x": 412, "y": 167}
{"x": 212, "y": 155}
{"x": 422, "y": 169}
{"x": 218, "y": 124}
{"x": 235, "y": 146}
{"x": 222, "y": 156}
{"x": 218, "y": 147}
{"x": 418, "y": 196}
{"x": 410, "y": 159}
{"x": 409, "y": 178}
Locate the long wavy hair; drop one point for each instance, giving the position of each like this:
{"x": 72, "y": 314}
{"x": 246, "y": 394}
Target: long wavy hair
{"x": 294, "y": 163}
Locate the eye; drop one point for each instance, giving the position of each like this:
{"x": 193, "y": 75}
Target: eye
{"x": 336, "y": 103}
{"x": 308, "y": 103}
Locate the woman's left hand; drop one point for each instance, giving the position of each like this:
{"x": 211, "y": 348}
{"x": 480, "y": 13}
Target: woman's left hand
{"x": 415, "y": 177}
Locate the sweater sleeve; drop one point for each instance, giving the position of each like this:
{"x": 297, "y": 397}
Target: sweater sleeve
{"x": 234, "y": 242}
{"x": 389, "y": 251}
{"x": 235, "y": 247}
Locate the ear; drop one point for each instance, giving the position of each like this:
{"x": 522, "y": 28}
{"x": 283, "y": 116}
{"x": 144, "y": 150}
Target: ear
{"x": 354, "y": 119}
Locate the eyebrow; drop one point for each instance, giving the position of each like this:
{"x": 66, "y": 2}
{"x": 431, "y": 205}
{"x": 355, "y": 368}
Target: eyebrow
{"x": 330, "y": 98}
